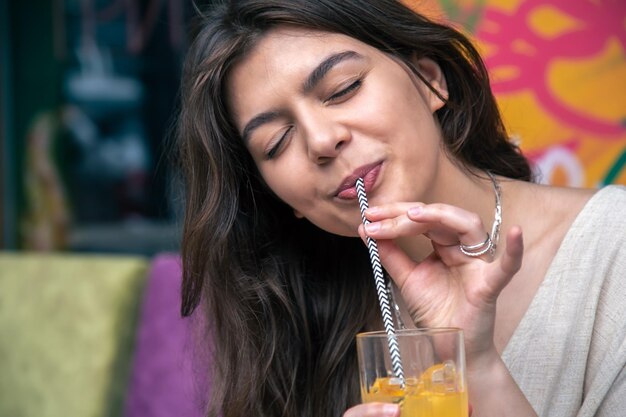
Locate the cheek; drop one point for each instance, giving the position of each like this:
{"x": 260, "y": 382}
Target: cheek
{"x": 332, "y": 221}
{"x": 295, "y": 187}
{"x": 288, "y": 182}
{"x": 393, "y": 107}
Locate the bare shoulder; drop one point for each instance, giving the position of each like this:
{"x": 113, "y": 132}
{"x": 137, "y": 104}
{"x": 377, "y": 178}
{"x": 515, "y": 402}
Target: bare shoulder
{"x": 559, "y": 201}
{"x": 571, "y": 201}
{"x": 572, "y": 192}
{"x": 568, "y": 198}
{"x": 544, "y": 212}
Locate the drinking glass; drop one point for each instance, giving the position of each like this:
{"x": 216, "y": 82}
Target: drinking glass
{"x": 433, "y": 361}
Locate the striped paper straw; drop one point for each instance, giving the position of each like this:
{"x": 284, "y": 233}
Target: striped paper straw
{"x": 383, "y": 296}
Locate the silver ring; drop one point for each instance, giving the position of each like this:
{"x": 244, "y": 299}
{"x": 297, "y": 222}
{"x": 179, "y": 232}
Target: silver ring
{"x": 477, "y": 249}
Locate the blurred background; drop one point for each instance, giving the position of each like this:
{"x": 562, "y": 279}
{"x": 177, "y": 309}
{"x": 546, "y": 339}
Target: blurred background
{"x": 90, "y": 205}
{"x": 88, "y": 92}
{"x": 89, "y": 89}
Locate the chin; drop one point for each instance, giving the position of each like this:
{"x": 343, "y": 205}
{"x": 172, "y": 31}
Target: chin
{"x": 346, "y": 231}
{"x": 350, "y": 231}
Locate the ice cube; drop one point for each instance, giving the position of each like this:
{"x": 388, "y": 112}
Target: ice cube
{"x": 444, "y": 378}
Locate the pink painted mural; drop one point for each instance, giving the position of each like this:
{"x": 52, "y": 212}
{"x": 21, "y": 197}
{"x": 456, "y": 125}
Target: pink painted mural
{"x": 558, "y": 69}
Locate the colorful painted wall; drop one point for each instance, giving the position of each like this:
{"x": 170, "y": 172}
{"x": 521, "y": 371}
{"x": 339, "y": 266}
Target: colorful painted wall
{"x": 558, "y": 69}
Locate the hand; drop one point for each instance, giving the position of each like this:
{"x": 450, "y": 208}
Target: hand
{"x": 373, "y": 410}
{"x": 448, "y": 288}
{"x": 379, "y": 410}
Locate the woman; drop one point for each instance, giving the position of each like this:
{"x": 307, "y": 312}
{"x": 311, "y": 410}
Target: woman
{"x": 284, "y": 105}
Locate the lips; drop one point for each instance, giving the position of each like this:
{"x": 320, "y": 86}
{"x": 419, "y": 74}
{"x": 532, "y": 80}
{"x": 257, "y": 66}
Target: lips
{"x": 369, "y": 173}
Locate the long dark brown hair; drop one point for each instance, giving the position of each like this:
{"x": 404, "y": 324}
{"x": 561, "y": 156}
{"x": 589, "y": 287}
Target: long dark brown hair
{"x": 284, "y": 299}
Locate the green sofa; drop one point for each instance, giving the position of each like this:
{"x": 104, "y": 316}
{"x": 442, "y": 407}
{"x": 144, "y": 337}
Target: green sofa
{"x": 67, "y": 325}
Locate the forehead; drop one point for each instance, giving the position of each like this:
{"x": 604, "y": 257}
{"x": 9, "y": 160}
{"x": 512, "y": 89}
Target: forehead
{"x": 292, "y": 49}
{"x": 304, "y": 43}
{"x": 308, "y": 46}
{"x": 282, "y": 58}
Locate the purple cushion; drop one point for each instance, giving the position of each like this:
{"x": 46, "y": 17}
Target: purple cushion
{"x": 162, "y": 383}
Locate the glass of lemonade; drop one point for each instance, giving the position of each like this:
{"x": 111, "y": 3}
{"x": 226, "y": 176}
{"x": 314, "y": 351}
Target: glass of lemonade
{"x": 433, "y": 361}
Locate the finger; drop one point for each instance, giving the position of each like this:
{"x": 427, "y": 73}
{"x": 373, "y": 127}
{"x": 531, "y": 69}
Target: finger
{"x": 385, "y": 211}
{"x": 467, "y": 225}
{"x": 361, "y": 231}
{"x": 373, "y": 410}
{"x": 509, "y": 263}
{"x": 395, "y": 261}
{"x": 392, "y": 228}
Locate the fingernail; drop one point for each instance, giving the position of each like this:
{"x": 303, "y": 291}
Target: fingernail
{"x": 372, "y": 227}
{"x": 415, "y": 211}
{"x": 390, "y": 410}
{"x": 371, "y": 210}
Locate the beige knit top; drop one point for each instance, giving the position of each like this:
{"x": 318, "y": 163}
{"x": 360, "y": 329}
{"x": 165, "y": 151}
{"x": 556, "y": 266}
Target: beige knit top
{"x": 568, "y": 353}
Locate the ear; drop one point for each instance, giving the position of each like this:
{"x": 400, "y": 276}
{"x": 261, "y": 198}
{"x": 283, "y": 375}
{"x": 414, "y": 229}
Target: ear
{"x": 298, "y": 214}
{"x": 431, "y": 71}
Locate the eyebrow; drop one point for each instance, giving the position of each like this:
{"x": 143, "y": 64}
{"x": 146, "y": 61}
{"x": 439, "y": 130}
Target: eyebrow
{"x": 257, "y": 121}
{"x": 324, "y": 67}
{"x": 314, "y": 78}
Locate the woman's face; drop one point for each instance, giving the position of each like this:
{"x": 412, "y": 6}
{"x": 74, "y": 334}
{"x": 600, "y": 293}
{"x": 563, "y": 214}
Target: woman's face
{"x": 317, "y": 110}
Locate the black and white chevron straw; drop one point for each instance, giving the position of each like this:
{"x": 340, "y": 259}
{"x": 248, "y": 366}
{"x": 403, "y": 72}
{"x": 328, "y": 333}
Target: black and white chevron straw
{"x": 383, "y": 296}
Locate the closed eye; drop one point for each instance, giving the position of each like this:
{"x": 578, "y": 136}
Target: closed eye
{"x": 277, "y": 145}
{"x": 342, "y": 93}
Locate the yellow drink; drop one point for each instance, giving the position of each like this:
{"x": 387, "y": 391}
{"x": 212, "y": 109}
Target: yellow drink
{"x": 427, "y": 396}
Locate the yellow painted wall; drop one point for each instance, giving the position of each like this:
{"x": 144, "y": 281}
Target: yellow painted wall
{"x": 558, "y": 70}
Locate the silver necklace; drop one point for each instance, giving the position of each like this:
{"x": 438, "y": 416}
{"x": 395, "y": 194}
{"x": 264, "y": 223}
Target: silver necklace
{"x": 497, "y": 220}
{"x": 491, "y": 242}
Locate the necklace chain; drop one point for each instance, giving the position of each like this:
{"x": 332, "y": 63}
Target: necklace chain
{"x": 497, "y": 220}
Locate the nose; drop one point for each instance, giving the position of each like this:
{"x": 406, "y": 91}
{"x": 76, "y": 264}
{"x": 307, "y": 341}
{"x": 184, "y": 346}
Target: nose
{"x": 325, "y": 136}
